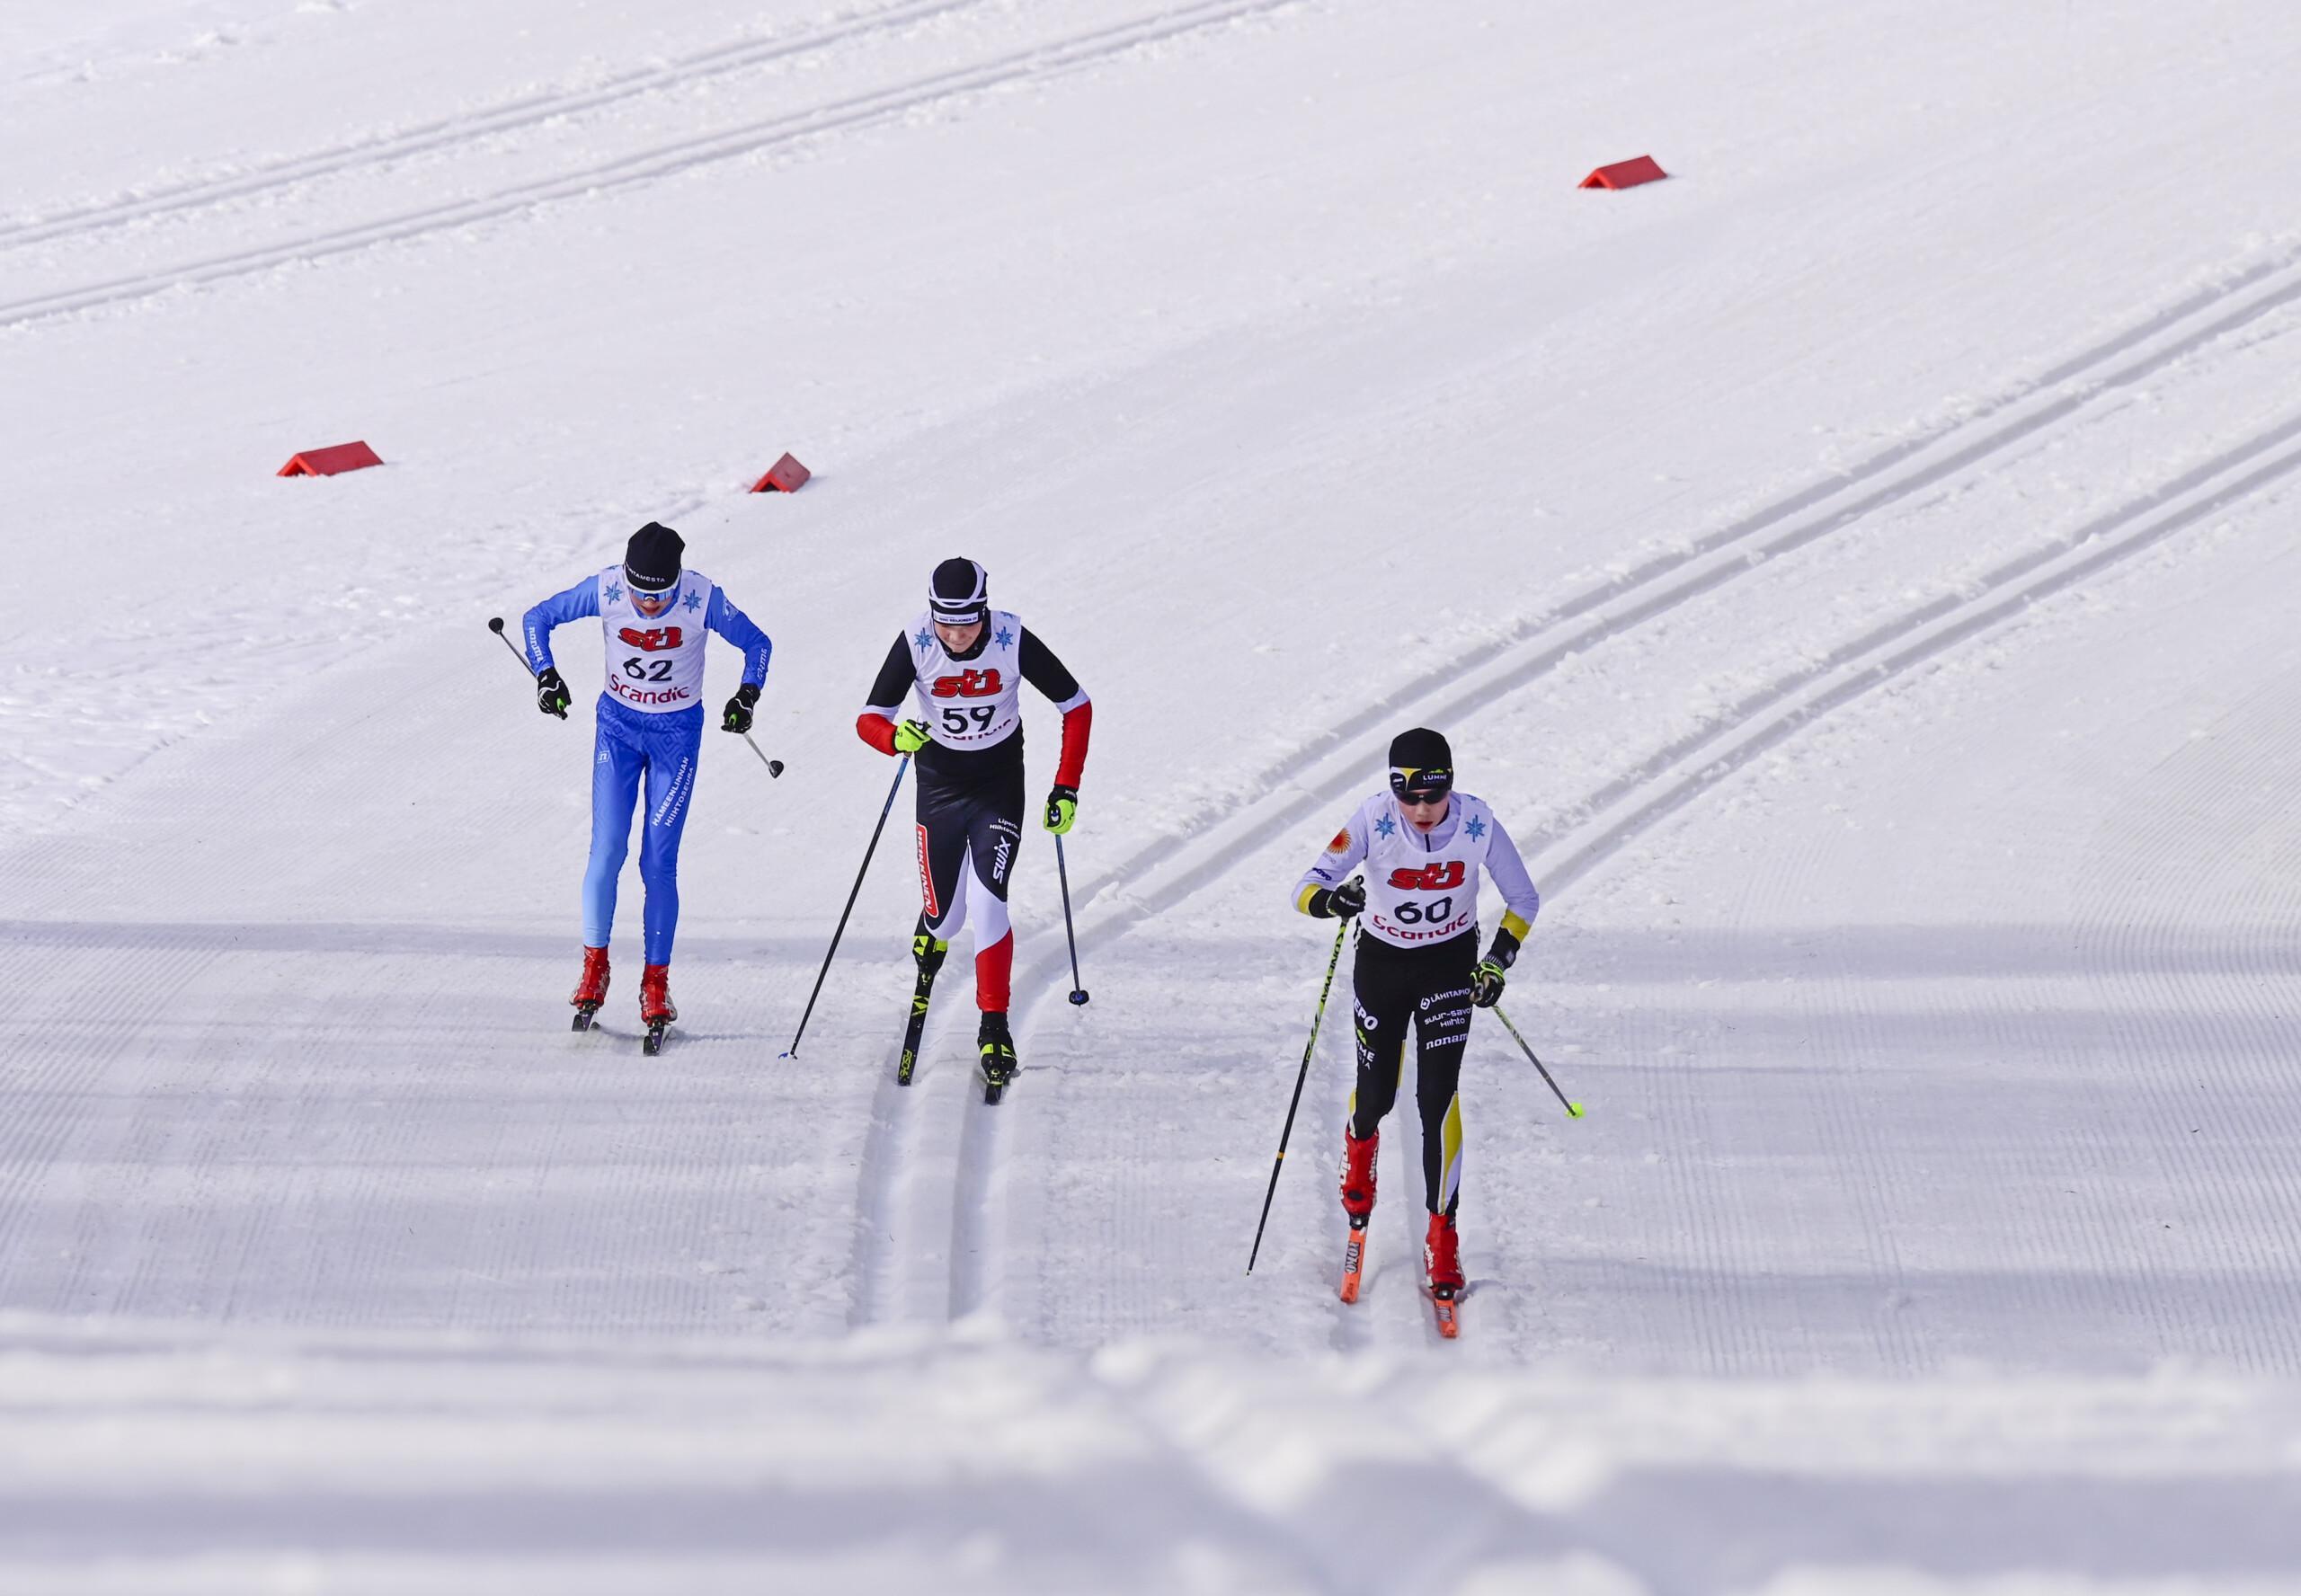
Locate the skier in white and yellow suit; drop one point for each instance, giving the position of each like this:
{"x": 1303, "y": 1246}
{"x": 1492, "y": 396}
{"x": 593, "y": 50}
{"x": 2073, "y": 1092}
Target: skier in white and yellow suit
{"x": 1422, "y": 844}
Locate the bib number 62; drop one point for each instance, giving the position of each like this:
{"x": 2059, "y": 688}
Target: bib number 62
{"x": 650, "y": 670}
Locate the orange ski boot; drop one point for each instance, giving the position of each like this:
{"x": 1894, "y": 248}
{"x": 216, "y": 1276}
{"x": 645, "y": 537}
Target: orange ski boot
{"x": 591, "y": 986}
{"x": 1442, "y": 1261}
{"x": 1357, "y": 1204}
{"x": 655, "y": 1008}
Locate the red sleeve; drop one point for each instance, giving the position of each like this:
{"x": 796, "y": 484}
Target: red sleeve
{"x": 879, "y": 732}
{"x": 1076, "y": 724}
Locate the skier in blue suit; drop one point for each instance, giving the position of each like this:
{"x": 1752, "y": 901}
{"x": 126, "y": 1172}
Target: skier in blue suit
{"x": 650, "y": 725}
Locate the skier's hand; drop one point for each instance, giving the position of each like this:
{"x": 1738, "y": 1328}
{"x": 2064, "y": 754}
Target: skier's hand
{"x": 551, "y": 693}
{"x": 1487, "y": 979}
{"x": 1341, "y": 903}
{"x": 739, "y": 708}
{"x": 911, "y": 737}
{"x": 1062, "y": 810}
{"x": 1486, "y": 984}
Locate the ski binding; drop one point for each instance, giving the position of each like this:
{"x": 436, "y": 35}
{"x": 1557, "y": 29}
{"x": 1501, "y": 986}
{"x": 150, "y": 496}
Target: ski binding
{"x": 1444, "y": 1303}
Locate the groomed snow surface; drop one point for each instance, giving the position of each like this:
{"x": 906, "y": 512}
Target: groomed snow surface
{"x": 1859, "y": 568}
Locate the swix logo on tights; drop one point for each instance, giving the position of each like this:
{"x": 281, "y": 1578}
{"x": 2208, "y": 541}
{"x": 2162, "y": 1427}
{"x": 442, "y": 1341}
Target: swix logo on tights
{"x": 969, "y": 684}
{"x": 1430, "y": 878}
{"x": 654, "y": 640}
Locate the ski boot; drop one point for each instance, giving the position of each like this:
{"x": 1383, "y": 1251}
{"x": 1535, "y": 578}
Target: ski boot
{"x": 655, "y": 1009}
{"x": 930, "y": 955}
{"x": 1357, "y": 1204}
{"x": 1442, "y": 1261}
{"x": 997, "y": 1050}
{"x": 591, "y": 986}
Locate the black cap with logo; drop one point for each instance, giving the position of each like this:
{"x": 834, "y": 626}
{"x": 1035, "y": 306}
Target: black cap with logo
{"x": 959, "y": 595}
{"x": 651, "y": 561}
{"x": 1422, "y": 765}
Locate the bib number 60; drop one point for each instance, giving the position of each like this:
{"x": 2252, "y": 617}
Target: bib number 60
{"x": 1412, "y": 913}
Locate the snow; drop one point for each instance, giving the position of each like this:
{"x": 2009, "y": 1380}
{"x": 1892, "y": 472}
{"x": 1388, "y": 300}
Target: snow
{"x": 1857, "y": 569}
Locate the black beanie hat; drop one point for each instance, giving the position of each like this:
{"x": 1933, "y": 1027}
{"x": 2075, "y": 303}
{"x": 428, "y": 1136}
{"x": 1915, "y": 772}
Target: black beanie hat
{"x": 651, "y": 560}
{"x": 959, "y": 595}
{"x": 1421, "y": 762}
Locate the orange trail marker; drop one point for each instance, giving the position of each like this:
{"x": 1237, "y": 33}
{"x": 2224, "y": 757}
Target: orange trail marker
{"x": 1625, "y": 174}
{"x": 329, "y": 461}
{"x": 784, "y": 476}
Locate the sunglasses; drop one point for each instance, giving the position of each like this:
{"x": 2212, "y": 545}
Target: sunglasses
{"x": 1428, "y": 787}
{"x": 641, "y": 596}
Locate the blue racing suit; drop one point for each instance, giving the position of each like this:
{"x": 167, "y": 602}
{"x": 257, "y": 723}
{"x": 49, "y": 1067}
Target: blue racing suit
{"x": 644, "y": 732}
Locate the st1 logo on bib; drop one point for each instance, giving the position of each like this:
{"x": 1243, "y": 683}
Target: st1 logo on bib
{"x": 969, "y": 684}
{"x": 1430, "y": 878}
{"x": 654, "y": 640}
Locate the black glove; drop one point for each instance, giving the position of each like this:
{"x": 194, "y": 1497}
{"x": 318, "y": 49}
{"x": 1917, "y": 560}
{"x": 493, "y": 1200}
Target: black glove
{"x": 1341, "y": 903}
{"x": 551, "y": 693}
{"x": 1486, "y": 980}
{"x": 1486, "y": 984}
{"x": 739, "y": 708}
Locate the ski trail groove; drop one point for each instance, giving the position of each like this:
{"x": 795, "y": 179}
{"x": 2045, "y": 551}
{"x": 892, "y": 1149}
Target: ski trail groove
{"x": 1035, "y": 63}
{"x": 975, "y": 1216}
{"x": 449, "y": 132}
{"x": 1665, "y": 783}
{"x": 876, "y": 1216}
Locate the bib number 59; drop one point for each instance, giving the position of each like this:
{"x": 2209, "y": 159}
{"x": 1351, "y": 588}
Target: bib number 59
{"x": 974, "y": 720}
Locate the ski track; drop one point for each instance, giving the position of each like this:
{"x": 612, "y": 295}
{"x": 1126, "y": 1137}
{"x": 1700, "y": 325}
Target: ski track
{"x": 1662, "y": 784}
{"x": 449, "y": 132}
{"x": 1655, "y": 788}
{"x": 1034, "y": 64}
{"x": 1331, "y": 763}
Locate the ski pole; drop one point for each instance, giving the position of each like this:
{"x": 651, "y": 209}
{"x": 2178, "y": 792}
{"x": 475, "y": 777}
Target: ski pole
{"x": 774, "y": 766}
{"x": 792, "y": 1051}
{"x": 1573, "y": 1110}
{"x": 496, "y": 625}
{"x": 1077, "y": 992}
{"x": 1300, "y": 1076}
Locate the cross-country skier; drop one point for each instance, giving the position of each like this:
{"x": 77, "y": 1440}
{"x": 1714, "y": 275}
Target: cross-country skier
{"x": 655, "y": 616}
{"x": 967, "y": 663}
{"x": 1423, "y": 844}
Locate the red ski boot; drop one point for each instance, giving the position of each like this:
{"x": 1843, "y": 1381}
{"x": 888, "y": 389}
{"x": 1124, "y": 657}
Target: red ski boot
{"x": 1442, "y": 1259}
{"x": 1357, "y": 1204}
{"x": 591, "y": 986}
{"x": 655, "y": 1008}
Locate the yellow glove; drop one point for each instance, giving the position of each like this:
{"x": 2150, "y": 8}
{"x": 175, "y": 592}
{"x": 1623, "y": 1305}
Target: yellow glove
{"x": 911, "y": 737}
{"x": 1062, "y": 810}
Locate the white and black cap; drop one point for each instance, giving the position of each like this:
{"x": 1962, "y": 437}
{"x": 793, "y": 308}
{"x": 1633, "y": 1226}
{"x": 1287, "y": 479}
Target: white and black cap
{"x": 651, "y": 560}
{"x": 1422, "y": 765}
{"x": 960, "y": 593}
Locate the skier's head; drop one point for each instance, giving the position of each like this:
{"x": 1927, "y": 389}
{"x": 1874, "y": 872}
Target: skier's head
{"x": 650, "y": 567}
{"x": 958, "y": 595}
{"x": 1422, "y": 773}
